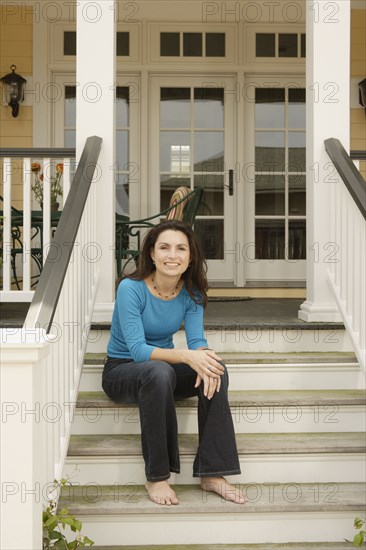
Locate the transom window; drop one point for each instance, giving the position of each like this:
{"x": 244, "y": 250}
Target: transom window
{"x": 280, "y": 173}
{"x": 280, "y": 44}
{"x": 192, "y": 44}
{"x": 122, "y": 44}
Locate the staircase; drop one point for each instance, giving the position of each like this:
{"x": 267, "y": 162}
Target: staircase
{"x": 300, "y": 424}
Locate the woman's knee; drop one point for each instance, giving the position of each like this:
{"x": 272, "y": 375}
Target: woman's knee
{"x": 159, "y": 372}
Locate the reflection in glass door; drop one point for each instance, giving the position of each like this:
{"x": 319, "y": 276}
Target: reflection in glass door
{"x": 192, "y": 152}
{"x": 280, "y": 174}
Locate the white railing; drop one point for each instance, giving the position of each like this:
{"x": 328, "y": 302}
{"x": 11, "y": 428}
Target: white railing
{"x": 27, "y": 229}
{"x": 42, "y": 362}
{"x": 347, "y": 275}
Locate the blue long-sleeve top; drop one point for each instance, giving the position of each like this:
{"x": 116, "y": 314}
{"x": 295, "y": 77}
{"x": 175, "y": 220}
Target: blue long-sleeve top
{"x": 142, "y": 322}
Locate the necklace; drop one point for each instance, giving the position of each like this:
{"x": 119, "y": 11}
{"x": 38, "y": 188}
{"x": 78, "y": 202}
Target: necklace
{"x": 164, "y": 295}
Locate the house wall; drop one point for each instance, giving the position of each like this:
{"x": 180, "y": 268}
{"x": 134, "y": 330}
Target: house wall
{"x": 358, "y": 71}
{"x": 16, "y": 45}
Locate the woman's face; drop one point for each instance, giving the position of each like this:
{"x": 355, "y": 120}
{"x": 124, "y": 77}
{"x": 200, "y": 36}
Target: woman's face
{"x": 171, "y": 253}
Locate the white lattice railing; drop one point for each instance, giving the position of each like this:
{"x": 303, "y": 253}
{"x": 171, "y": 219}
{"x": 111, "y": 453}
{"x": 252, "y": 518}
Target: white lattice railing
{"x": 42, "y": 362}
{"x": 26, "y": 228}
{"x": 347, "y": 276}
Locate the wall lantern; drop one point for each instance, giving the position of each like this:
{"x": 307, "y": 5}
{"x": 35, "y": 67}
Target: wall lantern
{"x": 14, "y": 88}
{"x": 362, "y": 92}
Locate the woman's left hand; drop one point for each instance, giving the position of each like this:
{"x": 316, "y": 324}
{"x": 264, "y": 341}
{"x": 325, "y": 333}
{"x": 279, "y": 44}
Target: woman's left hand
{"x": 210, "y": 385}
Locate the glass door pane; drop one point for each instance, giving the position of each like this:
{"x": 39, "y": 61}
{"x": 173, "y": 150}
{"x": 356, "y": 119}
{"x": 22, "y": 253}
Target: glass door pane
{"x": 280, "y": 173}
{"x": 192, "y": 154}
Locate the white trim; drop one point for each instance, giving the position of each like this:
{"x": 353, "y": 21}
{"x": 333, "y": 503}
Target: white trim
{"x": 250, "y": 31}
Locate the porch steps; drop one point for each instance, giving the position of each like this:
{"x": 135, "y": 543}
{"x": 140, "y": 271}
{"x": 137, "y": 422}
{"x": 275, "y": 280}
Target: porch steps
{"x": 125, "y": 513}
{"x": 253, "y": 371}
{"x": 288, "y": 458}
{"x": 300, "y": 424}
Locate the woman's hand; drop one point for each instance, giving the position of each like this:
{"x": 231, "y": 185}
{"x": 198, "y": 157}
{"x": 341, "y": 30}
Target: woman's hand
{"x": 206, "y": 364}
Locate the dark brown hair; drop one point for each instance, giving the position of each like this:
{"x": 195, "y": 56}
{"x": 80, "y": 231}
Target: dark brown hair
{"x": 195, "y": 277}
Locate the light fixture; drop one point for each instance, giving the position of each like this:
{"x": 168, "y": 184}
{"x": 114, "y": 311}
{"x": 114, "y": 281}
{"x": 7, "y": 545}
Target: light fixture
{"x": 14, "y": 87}
{"x": 362, "y": 92}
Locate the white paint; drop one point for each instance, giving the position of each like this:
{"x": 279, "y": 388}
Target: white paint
{"x": 327, "y": 115}
{"x": 95, "y": 115}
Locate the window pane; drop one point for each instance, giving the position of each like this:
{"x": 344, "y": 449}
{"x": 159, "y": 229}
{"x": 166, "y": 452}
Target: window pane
{"x": 303, "y": 45}
{"x": 168, "y": 184}
{"x": 270, "y": 239}
{"x": 215, "y": 44}
{"x": 270, "y": 151}
{"x": 122, "y": 154}
{"x": 169, "y": 44}
{"x": 209, "y": 151}
{"x": 269, "y": 195}
{"x": 70, "y": 138}
{"x": 269, "y": 107}
{"x": 209, "y": 107}
{"x": 192, "y": 44}
{"x": 265, "y": 44}
{"x": 69, "y": 42}
{"x": 70, "y": 106}
{"x": 296, "y": 108}
{"x": 175, "y": 107}
{"x": 175, "y": 154}
{"x": 297, "y": 195}
{"x": 122, "y": 106}
{"x": 297, "y": 240}
{"x": 210, "y": 234}
{"x": 122, "y": 195}
{"x": 123, "y": 43}
{"x": 296, "y": 152}
{"x": 213, "y": 198}
{"x": 287, "y": 45}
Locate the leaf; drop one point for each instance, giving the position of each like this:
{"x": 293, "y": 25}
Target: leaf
{"x": 88, "y": 541}
{"x": 78, "y": 525}
{"x": 358, "y": 523}
{"x": 358, "y": 540}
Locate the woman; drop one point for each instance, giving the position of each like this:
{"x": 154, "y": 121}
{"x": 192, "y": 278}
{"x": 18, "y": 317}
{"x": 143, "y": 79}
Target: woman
{"x": 168, "y": 287}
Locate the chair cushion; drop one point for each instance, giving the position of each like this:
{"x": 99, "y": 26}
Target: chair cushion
{"x": 176, "y": 213}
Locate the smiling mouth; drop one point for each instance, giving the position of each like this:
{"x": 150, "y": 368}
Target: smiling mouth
{"x": 172, "y": 264}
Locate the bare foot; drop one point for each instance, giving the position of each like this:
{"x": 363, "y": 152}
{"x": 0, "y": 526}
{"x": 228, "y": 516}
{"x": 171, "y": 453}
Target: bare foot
{"x": 160, "y": 492}
{"x": 220, "y": 486}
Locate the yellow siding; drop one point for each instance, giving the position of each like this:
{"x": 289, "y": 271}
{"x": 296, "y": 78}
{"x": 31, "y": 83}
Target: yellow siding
{"x": 16, "y": 44}
{"x": 358, "y": 70}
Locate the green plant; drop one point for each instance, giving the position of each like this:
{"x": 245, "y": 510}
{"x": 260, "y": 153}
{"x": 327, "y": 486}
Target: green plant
{"x": 56, "y": 187}
{"x": 359, "y": 539}
{"x": 54, "y": 521}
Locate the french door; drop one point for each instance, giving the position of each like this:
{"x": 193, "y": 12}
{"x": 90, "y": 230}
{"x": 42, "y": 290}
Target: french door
{"x": 275, "y": 182}
{"x": 192, "y": 144}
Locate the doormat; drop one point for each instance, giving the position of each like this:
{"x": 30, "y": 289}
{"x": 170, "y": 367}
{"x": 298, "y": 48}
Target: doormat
{"x": 229, "y": 298}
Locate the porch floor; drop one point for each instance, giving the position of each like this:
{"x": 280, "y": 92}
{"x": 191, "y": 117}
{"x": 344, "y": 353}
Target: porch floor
{"x": 232, "y": 313}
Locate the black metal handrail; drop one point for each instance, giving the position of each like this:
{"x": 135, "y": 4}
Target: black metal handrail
{"x": 38, "y": 152}
{"x": 47, "y": 293}
{"x": 351, "y": 177}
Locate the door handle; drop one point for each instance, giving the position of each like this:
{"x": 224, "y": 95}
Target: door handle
{"x": 231, "y": 182}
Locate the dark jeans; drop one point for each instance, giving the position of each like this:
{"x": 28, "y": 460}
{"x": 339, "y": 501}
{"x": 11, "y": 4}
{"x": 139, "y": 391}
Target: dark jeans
{"x": 154, "y": 385}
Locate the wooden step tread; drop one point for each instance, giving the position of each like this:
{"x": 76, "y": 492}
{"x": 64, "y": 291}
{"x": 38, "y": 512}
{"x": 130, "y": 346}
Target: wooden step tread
{"x": 264, "y": 358}
{"x": 248, "y": 444}
{"x": 286, "y": 546}
{"x": 102, "y": 500}
{"x": 250, "y": 398}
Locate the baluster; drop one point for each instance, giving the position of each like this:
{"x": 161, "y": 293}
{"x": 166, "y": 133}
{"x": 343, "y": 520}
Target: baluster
{"x": 46, "y": 232}
{"x": 27, "y": 213}
{"x": 7, "y": 240}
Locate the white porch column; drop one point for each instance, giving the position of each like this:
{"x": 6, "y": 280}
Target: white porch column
{"x": 328, "y": 115}
{"x": 95, "y": 115}
{"x": 23, "y": 448}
